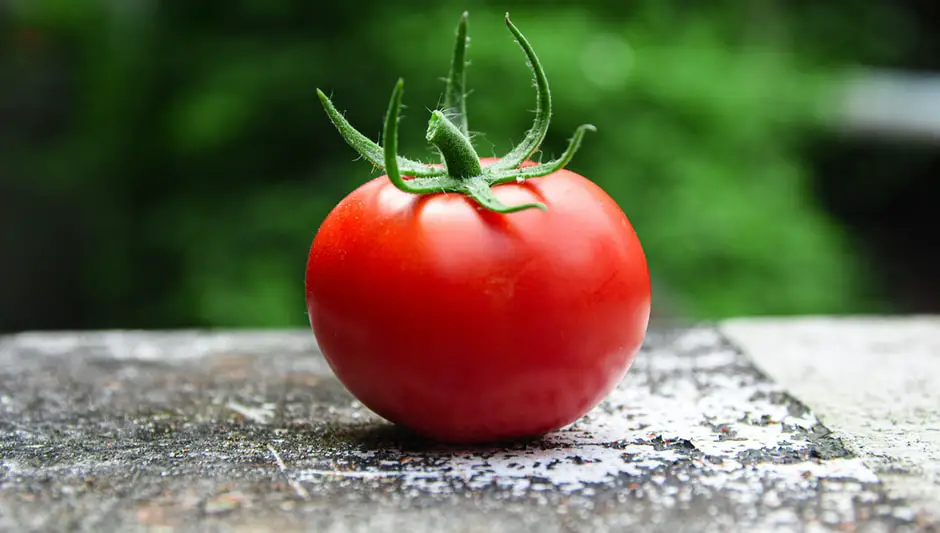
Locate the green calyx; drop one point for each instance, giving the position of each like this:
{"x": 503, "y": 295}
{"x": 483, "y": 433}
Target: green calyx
{"x": 461, "y": 171}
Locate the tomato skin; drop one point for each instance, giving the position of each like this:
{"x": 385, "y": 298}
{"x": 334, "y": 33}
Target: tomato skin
{"x": 466, "y": 325}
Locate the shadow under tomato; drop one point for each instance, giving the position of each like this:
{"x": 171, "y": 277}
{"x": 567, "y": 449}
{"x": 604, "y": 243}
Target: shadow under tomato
{"x": 385, "y": 436}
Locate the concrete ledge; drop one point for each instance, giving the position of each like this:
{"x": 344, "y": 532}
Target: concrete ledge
{"x": 249, "y": 431}
{"x": 874, "y": 381}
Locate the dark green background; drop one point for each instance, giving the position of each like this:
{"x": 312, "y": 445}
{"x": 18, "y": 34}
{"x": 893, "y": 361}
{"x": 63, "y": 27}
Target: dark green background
{"x": 167, "y": 163}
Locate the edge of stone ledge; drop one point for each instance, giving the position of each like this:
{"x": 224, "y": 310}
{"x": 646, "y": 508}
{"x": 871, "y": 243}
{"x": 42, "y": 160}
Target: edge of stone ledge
{"x": 821, "y": 319}
{"x": 150, "y": 345}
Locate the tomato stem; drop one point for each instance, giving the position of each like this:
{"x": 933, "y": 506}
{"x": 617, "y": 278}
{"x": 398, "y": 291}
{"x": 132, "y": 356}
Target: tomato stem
{"x": 543, "y": 108}
{"x": 460, "y": 159}
{"x": 455, "y": 102}
{"x": 544, "y": 169}
{"x": 418, "y": 185}
{"x": 480, "y": 190}
{"x": 448, "y": 132}
{"x": 371, "y": 151}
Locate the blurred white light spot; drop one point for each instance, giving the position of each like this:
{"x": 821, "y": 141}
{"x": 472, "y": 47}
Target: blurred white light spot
{"x": 606, "y": 60}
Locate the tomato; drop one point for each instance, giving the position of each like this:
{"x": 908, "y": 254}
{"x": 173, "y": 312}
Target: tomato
{"x": 476, "y": 299}
{"x": 468, "y": 325}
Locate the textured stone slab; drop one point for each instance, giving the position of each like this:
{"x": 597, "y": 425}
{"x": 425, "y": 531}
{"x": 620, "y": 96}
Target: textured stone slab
{"x": 250, "y": 432}
{"x": 875, "y": 381}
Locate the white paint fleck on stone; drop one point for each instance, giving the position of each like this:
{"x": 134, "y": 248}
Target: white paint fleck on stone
{"x": 261, "y": 415}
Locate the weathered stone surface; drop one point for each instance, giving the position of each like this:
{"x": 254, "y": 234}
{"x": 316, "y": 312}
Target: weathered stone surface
{"x": 874, "y": 381}
{"x": 250, "y": 432}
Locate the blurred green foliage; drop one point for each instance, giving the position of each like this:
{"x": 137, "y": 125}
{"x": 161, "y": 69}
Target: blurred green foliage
{"x": 198, "y": 163}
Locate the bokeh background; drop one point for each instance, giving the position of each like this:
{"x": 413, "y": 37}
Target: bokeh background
{"x": 166, "y": 163}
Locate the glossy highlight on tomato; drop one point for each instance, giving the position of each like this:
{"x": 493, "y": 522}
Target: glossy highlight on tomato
{"x": 505, "y": 301}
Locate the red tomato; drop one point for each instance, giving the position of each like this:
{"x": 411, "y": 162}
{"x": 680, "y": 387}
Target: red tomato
{"x": 467, "y": 325}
